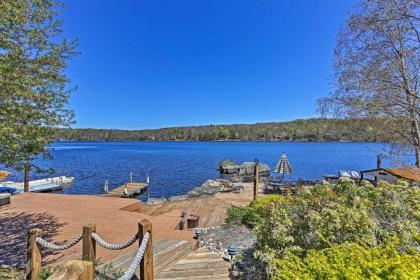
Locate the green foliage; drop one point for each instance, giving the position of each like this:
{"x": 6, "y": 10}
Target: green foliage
{"x": 253, "y": 215}
{"x": 292, "y": 228}
{"x": 108, "y": 271}
{"x": 298, "y": 130}
{"x": 45, "y": 273}
{"x": 33, "y": 94}
{"x": 348, "y": 261}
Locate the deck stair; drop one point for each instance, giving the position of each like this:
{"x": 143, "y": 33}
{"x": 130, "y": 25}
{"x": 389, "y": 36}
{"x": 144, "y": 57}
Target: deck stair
{"x": 201, "y": 264}
{"x": 165, "y": 252}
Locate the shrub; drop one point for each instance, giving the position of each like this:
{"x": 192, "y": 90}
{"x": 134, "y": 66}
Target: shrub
{"x": 252, "y": 215}
{"x": 348, "y": 261}
{"x": 322, "y": 218}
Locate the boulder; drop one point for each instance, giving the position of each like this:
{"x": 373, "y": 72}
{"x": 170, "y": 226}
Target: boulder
{"x": 177, "y": 198}
{"x": 155, "y": 201}
{"x": 247, "y": 168}
{"x": 244, "y": 169}
{"x": 73, "y": 270}
{"x": 208, "y": 188}
{"x": 4, "y": 199}
{"x": 228, "y": 167}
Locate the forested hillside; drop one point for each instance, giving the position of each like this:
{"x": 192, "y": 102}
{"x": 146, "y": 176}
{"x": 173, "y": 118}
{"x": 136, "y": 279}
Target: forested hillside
{"x": 298, "y": 130}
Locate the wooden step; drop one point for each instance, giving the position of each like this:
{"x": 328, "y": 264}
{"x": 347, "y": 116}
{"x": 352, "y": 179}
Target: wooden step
{"x": 200, "y": 264}
{"x": 165, "y": 252}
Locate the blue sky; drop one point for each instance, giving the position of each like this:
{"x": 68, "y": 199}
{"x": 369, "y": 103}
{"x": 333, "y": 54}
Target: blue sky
{"x": 155, "y": 63}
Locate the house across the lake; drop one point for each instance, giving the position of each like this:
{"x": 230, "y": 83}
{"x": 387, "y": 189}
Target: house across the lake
{"x": 392, "y": 175}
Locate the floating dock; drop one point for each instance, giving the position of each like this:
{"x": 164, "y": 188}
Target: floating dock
{"x": 131, "y": 189}
{"x": 42, "y": 185}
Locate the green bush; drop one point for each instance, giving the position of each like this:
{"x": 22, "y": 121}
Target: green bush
{"x": 322, "y": 218}
{"x": 348, "y": 261}
{"x": 252, "y": 215}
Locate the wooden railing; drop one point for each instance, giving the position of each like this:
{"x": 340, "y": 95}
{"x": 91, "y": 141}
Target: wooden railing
{"x": 35, "y": 244}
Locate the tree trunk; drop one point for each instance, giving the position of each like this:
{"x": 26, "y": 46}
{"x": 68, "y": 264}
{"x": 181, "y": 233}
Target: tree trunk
{"x": 417, "y": 149}
{"x": 26, "y": 178}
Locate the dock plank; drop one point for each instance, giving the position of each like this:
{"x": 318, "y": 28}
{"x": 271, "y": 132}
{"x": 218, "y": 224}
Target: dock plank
{"x": 133, "y": 189}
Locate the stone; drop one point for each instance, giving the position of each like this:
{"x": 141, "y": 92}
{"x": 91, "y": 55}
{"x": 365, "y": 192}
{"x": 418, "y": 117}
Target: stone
{"x": 209, "y": 187}
{"x": 4, "y": 199}
{"x": 73, "y": 270}
{"x": 11, "y": 273}
{"x": 228, "y": 167}
{"x": 247, "y": 168}
{"x": 177, "y": 198}
{"x": 155, "y": 201}
{"x": 240, "y": 173}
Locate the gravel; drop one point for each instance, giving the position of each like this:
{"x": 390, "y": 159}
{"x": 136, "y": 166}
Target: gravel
{"x": 245, "y": 266}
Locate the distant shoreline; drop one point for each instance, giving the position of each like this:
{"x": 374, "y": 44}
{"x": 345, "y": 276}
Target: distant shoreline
{"x": 213, "y": 141}
{"x": 309, "y": 130}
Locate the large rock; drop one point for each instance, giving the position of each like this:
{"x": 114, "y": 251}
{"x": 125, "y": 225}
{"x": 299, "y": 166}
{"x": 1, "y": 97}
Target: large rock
{"x": 228, "y": 167}
{"x": 155, "y": 201}
{"x": 73, "y": 270}
{"x": 247, "y": 168}
{"x": 208, "y": 188}
{"x": 177, "y": 198}
{"x": 244, "y": 169}
{"x": 4, "y": 199}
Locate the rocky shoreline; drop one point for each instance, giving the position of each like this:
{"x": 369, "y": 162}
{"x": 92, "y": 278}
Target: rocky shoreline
{"x": 235, "y": 173}
{"x": 209, "y": 187}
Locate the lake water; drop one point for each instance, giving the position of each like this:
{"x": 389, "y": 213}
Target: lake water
{"x": 177, "y": 167}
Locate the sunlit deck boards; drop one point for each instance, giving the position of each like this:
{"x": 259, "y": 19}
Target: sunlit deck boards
{"x": 128, "y": 190}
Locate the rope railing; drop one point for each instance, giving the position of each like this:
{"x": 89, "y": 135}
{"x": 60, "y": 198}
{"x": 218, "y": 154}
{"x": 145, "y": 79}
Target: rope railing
{"x": 143, "y": 258}
{"x": 58, "y": 247}
{"x": 111, "y": 246}
{"x": 137, "y": 259}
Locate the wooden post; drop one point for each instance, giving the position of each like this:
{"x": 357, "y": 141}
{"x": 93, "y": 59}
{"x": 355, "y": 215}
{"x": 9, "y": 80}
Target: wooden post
{"x": 256, "y": 180}
{"x": 146, "y": 265}
{"x": 33, "y": 255}
{"x": 89, "y": 244}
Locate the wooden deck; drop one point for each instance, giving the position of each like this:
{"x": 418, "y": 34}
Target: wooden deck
{"x": 131, "y": 189}
{"x": 211, "y": 209}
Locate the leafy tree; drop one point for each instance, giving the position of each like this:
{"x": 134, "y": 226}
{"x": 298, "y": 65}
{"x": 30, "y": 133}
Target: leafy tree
{"x": 377, "y": 64}
{"x": 33, "y": 92}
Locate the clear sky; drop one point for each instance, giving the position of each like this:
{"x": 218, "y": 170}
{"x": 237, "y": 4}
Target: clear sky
{"x": 159, "y": 63}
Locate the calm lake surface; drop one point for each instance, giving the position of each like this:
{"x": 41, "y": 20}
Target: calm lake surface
{"x": 177, "y": 167}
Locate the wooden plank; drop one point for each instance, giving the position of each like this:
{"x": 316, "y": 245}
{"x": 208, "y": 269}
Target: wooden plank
{"x": 133, "y": 189}
{"x": 224, "y": 276}
{"x": 193, "y": 273}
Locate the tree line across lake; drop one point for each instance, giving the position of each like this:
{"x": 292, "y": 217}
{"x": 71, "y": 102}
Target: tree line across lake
{"x": 316, "y": 129}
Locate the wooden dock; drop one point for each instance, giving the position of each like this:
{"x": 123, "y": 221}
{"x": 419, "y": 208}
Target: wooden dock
{"x": 131, "y": 189}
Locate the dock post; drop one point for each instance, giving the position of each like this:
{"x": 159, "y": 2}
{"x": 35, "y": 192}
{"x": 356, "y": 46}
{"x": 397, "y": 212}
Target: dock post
{"x": 89, "y": 244}
{"x": 33, "y": 255}
{"x": 256, "y": 179}
{"x": 146, "y": 265}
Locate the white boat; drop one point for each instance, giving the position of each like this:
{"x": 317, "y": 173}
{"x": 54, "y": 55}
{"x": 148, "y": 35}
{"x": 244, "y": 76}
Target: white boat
{"x": 42, "y": 185}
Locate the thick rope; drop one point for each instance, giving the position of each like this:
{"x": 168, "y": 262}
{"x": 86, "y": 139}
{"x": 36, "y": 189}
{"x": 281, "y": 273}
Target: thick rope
{"x": 111, "y": 246}
{"x": 137, "y": 259}
{"x": 56, "y": 247}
